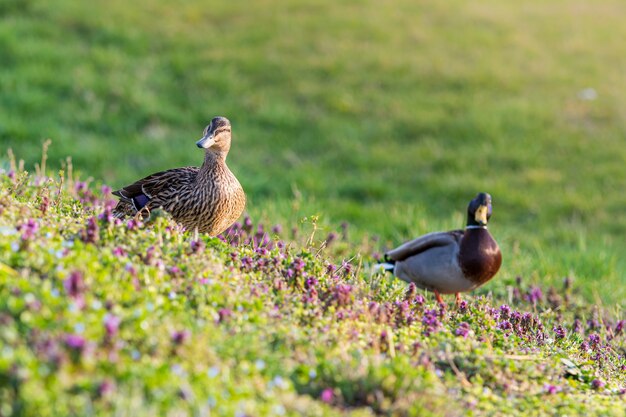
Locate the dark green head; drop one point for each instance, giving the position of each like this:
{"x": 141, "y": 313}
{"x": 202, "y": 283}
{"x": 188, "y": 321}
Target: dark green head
{"x": 479, "y": 210}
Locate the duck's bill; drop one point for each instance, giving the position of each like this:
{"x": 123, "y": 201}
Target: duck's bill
{"x": 481, "y": 215}
{"x": 206, "y": 142}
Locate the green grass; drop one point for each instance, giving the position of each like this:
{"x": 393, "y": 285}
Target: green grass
{"x": 104, "y": 318}
{"x": 388, "y": 116}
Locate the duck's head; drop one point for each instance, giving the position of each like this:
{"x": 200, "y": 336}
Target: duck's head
{"x": 216, "y": 136}
{"x": 479, "y": 210}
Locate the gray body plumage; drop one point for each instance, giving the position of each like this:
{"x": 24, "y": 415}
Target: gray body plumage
{"x": 431, "y": 262}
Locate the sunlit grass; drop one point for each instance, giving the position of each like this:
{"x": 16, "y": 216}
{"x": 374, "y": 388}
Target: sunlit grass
{"x": 388, "y": 116}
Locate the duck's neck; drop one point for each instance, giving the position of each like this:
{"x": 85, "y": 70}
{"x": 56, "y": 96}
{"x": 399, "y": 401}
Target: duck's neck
{"x": 475, "y": 226}
{"x": 212, "y": 159}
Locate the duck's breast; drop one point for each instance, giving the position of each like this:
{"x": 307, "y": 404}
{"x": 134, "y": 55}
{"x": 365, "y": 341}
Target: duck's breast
{"x": 479, "y": 257}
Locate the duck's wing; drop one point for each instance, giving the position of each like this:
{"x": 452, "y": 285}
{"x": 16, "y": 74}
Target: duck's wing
{"x": 424, "y": 243}
{"x": 142, "y": 191}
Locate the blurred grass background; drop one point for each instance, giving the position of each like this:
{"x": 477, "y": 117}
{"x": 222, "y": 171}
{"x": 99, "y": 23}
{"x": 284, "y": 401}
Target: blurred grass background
{"x": 388, "y": 115}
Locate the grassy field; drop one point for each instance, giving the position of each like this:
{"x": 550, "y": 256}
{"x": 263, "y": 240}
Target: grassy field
{"x": 386, "y": 117}
{"x": 125, "y": 319}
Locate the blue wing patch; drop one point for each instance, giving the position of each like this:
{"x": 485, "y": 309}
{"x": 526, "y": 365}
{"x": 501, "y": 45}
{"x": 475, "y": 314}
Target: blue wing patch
{"x": 140, "y": 201}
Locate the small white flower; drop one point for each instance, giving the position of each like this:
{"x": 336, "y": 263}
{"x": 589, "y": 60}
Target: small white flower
{"x": 588, "y": 94}
{"x": 213, "y": 372}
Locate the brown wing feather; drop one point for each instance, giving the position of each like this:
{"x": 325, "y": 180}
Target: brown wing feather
{"x": 154, "y": 183}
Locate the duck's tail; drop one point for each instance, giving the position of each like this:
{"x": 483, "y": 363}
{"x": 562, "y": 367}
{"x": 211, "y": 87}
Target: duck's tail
{"x": 386, "y": 265}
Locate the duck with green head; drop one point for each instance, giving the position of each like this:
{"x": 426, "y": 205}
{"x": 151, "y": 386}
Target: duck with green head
{"x": 450, "y": 262}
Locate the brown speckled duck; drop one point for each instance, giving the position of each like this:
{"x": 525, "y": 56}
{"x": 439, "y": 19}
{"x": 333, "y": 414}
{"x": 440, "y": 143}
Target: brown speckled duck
{"x": 208, "y": 198}
{"x": 450, "y": 262}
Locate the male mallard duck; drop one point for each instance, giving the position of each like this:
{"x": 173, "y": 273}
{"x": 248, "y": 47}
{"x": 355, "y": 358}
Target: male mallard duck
{"x": 208, "y": 198}
{"x": 450, "y": 262}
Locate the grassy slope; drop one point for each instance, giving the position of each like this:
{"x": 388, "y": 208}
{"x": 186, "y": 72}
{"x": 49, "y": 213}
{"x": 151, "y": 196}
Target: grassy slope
{"x": 389, "y": 116}
{"x": 147, "y": 320}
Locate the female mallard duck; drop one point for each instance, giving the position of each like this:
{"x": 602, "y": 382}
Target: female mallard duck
{"x": 208, "y": 198}
{"x": 450, "y": 262}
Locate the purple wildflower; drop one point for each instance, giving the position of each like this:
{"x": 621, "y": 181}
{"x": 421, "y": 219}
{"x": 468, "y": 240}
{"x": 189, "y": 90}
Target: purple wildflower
{"x": 577, "y": 327}
{"x": 593, "y": 324}
{"x": 347, "y": 267}
{"x": 247, "y": 263}
{"x": 277, "y": 229}
{"x": 175, "y": 271}
{"x": 107, "y": 215}
{"x": 327, "y": 396}
{"x": 419, "y": 299}
{"x": 289, "y": 273}
{"x": 298, "y": 265}
{"x": 91, "y": 232}
{"x": 597, "y": 384}
{"x": 119, "y": 251}
{"x": 403, "y": 313}
{"x": 374, "y": 308}
{"x": 180, "y": 336}
{"x": 106, "y": 388}
{"x": 332, "y": 236}
{"x": 224, "y": 314}
{"x": 197, "y": 246}
{"x": 534, "y": 295}
{"x": 594, "y": 340}
{"x": 247, "y": 224}
{"x": 341, "y": 294}
{"x": 463, "y": 305}
{"x": 75, "y": 342}
{"x": 411, "y": 292}
{"x": 43, "y": 206}
{"x": 131, "y": 269}
{"x": 551, "y": 389}
{"x": 311, "y": 296}
{"x": 430, "y": 320}
{"x": 74, "y": 284}
{"x": 310, "y": 282}
{"x": 80, "y": 187}
{"x": 505, "y": 311}
{"x": 559, "y": 332}
{"x": 133, "y": 224}
{"x": 111, "y": 325}
{"x": 504, "y": 325}
{"x": 28, "y": 229}
{"x": 463, "y": 330}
